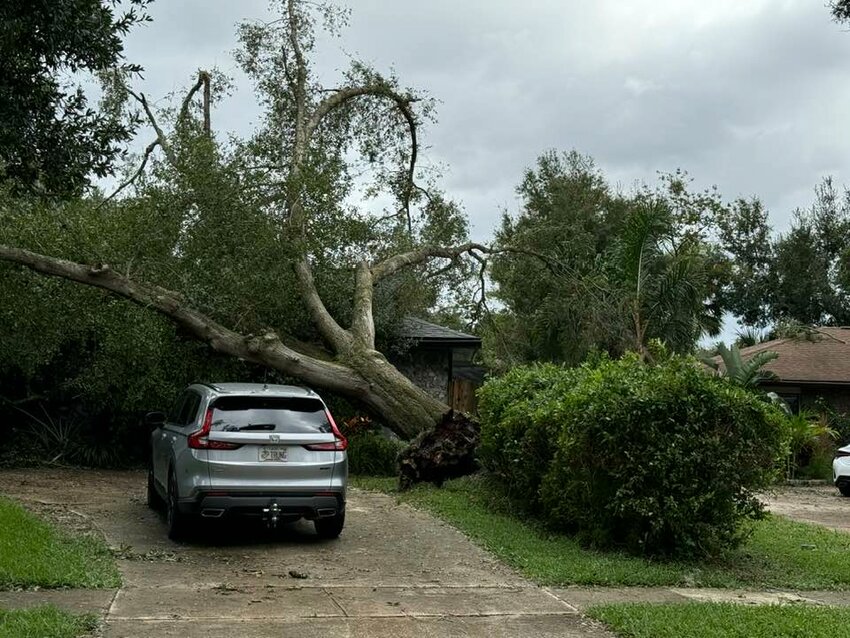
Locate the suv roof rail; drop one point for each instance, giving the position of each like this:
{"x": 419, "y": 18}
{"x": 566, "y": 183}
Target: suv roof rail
{"x": 211, "y": 386}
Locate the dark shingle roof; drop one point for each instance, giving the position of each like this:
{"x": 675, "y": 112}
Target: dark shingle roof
{"x": 823, "y": 359}
{"x": 425, "y": 332}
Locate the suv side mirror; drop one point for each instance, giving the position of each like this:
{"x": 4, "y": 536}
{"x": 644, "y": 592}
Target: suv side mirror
{"x": 155, "y": 419}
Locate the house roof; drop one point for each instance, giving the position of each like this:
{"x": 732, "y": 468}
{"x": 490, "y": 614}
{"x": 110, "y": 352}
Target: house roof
{"x": 823, "y": 359}
{"x": 427, "y": 333}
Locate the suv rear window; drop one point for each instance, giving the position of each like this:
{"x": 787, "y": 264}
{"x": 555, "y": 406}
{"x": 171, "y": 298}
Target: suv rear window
{"x": 270, "y": 414}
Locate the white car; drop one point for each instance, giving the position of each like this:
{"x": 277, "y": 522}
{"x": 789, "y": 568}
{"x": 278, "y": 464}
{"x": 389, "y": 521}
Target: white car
{"x": 841, "y": 470}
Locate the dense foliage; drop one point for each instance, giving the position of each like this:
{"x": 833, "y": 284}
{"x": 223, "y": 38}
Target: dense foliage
{"x": 373, "y": 454}
{"x": 51, "y": 139}
{"x": 800, "y": 275}
{"x": 588, "y": 268}
{"x": 372, "y": 450}
{"x": 656, "y": 459}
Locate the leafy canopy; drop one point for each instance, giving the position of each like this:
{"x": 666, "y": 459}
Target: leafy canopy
{"x": 52, "y": 140}
{"x": 586, "y": 268}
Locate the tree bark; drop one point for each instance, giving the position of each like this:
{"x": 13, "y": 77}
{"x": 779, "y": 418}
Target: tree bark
{"x": 359, "y": 372}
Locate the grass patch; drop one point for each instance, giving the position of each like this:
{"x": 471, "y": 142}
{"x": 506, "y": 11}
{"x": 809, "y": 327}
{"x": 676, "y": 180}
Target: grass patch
{"x": 722, "y": 620}
{"x": 780, "y": 553}
{"x": 44, "y": 621}
{"x": 33, "y": 553}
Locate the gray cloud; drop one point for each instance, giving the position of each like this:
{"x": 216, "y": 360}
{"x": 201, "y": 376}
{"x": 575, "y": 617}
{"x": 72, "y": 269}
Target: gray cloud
{"x": 749, "y": 96}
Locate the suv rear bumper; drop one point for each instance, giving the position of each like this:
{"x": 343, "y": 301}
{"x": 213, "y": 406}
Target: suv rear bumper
{"x": 290, "y": 506}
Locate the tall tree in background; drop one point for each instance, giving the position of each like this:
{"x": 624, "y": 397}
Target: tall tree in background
{"x": 588, "y": 269}
{"x": 556, "y": 306}
{"x": 810, "y": 258}
{"x": 247, "y": 245}
{"x": 799, "y": 276}
{"x": 51, "y": 139}
{"x": 745, "y": 238}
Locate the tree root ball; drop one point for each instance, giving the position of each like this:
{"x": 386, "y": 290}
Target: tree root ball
{"x": 444, "y": 452}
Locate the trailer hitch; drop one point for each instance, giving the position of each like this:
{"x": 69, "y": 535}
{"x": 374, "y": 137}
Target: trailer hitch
{"x": 271, "y": 514}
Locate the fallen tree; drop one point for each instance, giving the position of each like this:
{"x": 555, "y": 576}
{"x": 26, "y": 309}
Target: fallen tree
{"x": 311, "y": 129}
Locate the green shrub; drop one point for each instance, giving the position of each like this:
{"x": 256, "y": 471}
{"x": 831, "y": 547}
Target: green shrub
{"x": 372, "y": 454}
{"x": 811, "y": 442}
{"x": 517, "y": 425}
{"x": 655, "y": 459}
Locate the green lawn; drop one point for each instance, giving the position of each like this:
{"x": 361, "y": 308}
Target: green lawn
{"x": 45, "y": 621}
{"x": 723, "y": 620}
{"x": 35, "y": 553}
{"x": 780, "y": 553}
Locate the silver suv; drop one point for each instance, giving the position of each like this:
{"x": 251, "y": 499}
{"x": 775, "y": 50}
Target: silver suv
{"x": 245, "y": 449}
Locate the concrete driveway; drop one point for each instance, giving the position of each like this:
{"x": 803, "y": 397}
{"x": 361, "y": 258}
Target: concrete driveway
{"x": 820, "y": 504}
{"x": 394, "y": 572}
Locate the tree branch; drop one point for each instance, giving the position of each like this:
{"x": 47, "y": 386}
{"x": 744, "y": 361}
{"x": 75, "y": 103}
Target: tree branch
{"x": 300, "y": 63}
{"x": 160, "y": 134}
{"x": 363, "y": 323}
{"x": 203, "y": 80}
{"x": 424, "y": 253}
{"x": 148, "y": 150}
{"x": 402, "y": 102}
{"x": 267, "y": 349}
{"x": 332, "y": 333}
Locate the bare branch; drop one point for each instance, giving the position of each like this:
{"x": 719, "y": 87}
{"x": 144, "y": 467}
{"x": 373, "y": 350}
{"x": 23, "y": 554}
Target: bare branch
{"x": 160, "y": 134}
{"x": 207, "y": 99}
{"x": 203, "y": 80}
{"x": 300, "y": 63}
{"x": 481, "y": 306}
{"x": 424, "y": 253}
{"x": 362, "y": 322}
{"x": 402, "y": 103}
{"x": 148, "y": 150}
{"x": 333, "y": 334}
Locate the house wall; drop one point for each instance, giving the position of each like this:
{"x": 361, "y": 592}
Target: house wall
{"x": 429, "y": 369}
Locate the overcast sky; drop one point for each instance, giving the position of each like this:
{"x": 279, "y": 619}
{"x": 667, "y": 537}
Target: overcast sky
{"x": 750, "y": 95}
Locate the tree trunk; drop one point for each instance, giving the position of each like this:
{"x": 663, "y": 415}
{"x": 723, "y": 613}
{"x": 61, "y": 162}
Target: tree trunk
{"x": 357, "y": 372}
{"x": 406, "y": 408}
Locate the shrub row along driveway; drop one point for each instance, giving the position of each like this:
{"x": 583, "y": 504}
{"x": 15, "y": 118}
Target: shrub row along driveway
{"x": 394, "y": 572}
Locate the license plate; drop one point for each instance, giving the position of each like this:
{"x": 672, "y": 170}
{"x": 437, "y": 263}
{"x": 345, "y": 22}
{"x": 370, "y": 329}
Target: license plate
{"x": 273, "y": 453}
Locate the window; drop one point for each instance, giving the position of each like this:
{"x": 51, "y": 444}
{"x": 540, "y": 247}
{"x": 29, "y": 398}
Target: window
{"x": 270, "y": 414}
{"x": 185, "y": 409}
{"x": 189, "y": 410}
{"x": 174, "y": 412}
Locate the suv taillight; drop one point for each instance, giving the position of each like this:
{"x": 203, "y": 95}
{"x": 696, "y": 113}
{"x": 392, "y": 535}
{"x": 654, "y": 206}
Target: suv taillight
{"x": 199, "y": 440}
{"x": 340, "y": 443}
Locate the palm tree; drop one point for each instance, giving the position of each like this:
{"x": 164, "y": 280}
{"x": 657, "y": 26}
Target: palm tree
{"x": 750, "y": 336}
{"x": 666, "y": 277}
{"x": 749, "y": 373}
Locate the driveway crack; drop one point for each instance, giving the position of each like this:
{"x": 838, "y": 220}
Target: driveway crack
{"x": 335, "y": 602}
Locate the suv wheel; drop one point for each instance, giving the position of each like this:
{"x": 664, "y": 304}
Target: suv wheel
{"x": 844, "y": 488}
{"x": 178, "y": 522}
{"x": 330, "y": 527}
{"x": 154, "y": 500}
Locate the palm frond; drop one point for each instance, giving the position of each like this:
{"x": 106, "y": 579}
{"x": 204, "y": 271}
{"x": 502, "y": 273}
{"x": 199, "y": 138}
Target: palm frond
{"x": 638, "y": 241}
